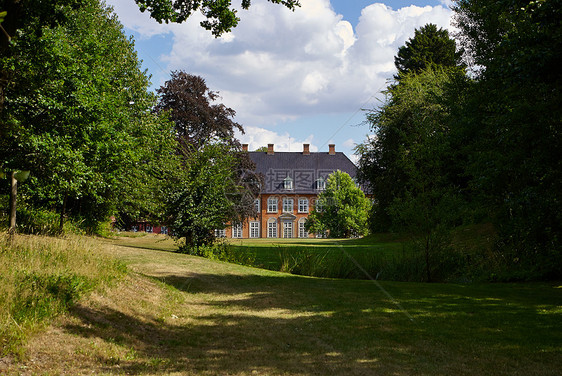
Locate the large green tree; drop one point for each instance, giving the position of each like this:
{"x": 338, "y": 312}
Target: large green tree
{"x": 77, "y": 113}
{"x": 216, "y": 184}
{"x": 515, "y": 118}
{"x": 342, "y": 208}
{"x": 429, "y": 47}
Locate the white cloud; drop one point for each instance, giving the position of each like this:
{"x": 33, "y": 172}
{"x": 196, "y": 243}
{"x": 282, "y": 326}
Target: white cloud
{"x": 279, "y": 65}
{"x": 349, "y": 143}
{"x": 257, "y": 137}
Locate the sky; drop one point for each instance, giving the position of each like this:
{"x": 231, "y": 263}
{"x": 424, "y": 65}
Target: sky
{"x": 292, "y": 77}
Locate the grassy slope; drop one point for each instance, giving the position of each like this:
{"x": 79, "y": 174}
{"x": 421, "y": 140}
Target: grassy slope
{"x": 186, "y": 315}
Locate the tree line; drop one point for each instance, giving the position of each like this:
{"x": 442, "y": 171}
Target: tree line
{"x": 472, "y": 135}
{"x": 77, "y": 113}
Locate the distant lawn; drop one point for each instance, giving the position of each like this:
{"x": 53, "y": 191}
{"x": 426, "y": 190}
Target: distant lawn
{"x": 267, "y": 252}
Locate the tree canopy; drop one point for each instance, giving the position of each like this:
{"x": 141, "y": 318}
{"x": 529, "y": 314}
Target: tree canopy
{"x": 77, "y": 114}
{"x": 342, "y": 208}
{"x": 191, "y": 106}
{"x": 220, "y": 17}
{"x": 429, "y": 47}
{"x": 216, "y": 184}
{"x": 449, "y": 149}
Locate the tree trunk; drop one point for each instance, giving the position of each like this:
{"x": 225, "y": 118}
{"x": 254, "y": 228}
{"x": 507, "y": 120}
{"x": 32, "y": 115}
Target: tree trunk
{"x": 13, "y": 200}
{"x": 427, "y": 263}
{"x": 62, "y": 213}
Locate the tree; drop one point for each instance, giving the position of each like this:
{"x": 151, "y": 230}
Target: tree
{"x": 197, "y": 120}
{"x": 429, "y": 47}
{"x": 344, "y": 208}
{"x": 203, "y": 195}
{"x": 77, "y": 113}
{"x": 414, "y": 164}
{"x": 206, "y": 145}
{"x": 220, "y": 18}
{"x": 412, "y": 149}
{"x": 514, "y": 119}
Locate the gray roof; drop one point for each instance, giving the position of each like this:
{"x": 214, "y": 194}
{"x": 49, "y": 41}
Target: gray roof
{"x": 303, "y": 169}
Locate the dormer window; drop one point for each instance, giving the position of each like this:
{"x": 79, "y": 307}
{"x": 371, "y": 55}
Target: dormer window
{"x": 320, "y": 184}
{"x": 288, "y": 184}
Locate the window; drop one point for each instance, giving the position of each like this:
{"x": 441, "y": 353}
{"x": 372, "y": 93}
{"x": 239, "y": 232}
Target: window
{"x": 319, "y": 206}
{"x": 288, "y": 184}
{"x": 149, "y": 228}
{"x": 320, "y": 184}
{"x": 322, "y": 235}
{"x": 287, "y": 229}
{"x": 254, "y": 229}
{"x": 164, "y": 230}
{"x": 272, "y": 205}
{"x": 302, "y": 231}
{"x": 257, "y": 204}
{"x": 237, "y": 230}
{"x": 220, "y": 233}
{"x": 303, "y": 205}
{"x": 288, "y": 205}
{"x": 272, "y": 228}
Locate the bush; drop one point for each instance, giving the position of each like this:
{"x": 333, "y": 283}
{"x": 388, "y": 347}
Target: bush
{"x": 220, "y": 250}
{"x": 40, "y": 221}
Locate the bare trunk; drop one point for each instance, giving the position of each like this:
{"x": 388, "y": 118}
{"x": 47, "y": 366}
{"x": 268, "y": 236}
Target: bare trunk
{"x": 13, "y": 201}
{"x": 427, "y": 271}
{"x": 62, "y": 213}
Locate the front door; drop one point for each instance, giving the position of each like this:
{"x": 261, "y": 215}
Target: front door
{"x": 287, "y": 229}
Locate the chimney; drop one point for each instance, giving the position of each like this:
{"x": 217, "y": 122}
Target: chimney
{"x": 270, "y": 149}
{"x": 306, "y": 149}
{"x": 244, "y": 147}
{"x": 332, "y": 149}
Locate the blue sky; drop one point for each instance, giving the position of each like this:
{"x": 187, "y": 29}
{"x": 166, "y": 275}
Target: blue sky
{"x": 292, "y": 77}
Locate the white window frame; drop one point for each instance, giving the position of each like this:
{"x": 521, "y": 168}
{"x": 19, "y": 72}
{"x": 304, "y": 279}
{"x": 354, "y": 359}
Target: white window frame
{"x": 286, "y": 226}
{"x": 237, "y": 231}
{"x": 164, "y": 230}
{"x": 257, "y": 205}
{"x": 288, "y": 205}
{"x": 302, "y": 231}
{"x": 254, "y": 229}
{"x": 272, "y": 204}
{"x": 288, "y": 184}
{"x": 319, "y": 206}
{"x": 220, "y": 233}
{"x": 303, "y": 205}
{"x": 272, "y": 228}
{"x": 320, "y": 184}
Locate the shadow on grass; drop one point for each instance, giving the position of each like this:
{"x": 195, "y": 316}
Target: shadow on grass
{"x": 245, "y": 324}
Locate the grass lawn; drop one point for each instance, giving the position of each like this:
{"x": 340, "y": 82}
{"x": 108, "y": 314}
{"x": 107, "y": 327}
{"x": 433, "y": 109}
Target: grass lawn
{"x": 183, "y": 315}
{"x": 267, "y": 252}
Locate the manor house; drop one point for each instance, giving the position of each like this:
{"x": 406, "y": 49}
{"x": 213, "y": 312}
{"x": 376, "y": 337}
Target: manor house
{"x": 292, "y": 182}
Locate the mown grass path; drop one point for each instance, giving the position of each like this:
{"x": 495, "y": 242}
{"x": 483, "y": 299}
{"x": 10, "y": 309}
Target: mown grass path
{"x": 183, "y": 315}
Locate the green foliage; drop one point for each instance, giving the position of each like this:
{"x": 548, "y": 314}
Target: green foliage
{"x": 77, "y": 114}
{"x": 514, "y": 121}
{"x": 221, "y": 250}
{"x": 413, "y": 152}
{"x": 220, "y": 18}
{"x": 428, "y": 48}
{"x": 344, "y": 208}
{"x": 203, "y": 194}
